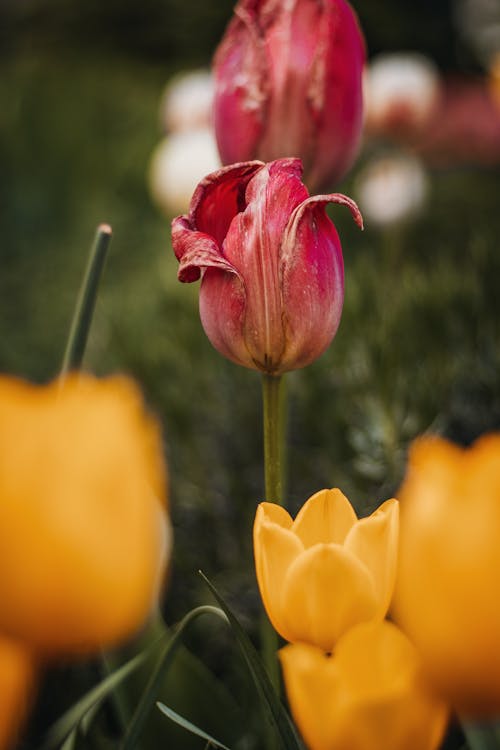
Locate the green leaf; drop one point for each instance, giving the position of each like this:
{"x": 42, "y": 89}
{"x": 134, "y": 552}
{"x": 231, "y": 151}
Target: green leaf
{"x": 152, "y": 689}
{"x": 181, "y": 721}
{"x": 274, "y": 710}
{"x": 84, "y": 309}
{"x": 70, "y": 741}
{"x": 70, "y": 720}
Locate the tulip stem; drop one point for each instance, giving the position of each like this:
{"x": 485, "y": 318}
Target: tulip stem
{"x": 274, "y": 411}
{"x": 84, "y": 309}
{"x": 273, "y": 397}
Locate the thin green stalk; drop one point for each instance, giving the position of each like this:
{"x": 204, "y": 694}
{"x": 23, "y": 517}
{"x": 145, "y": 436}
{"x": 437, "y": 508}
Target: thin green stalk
{"x": 84, "y": 309}
{"x": 274, "y": 418}
{"x": 273, "y": 400}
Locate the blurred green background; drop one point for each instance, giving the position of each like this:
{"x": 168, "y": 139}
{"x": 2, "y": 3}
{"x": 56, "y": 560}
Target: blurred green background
{"x": 418, "y": 347}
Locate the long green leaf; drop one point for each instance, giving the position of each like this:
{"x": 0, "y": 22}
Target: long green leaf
{"x": 275, "y": 712}
{"x": 152, "y": 688}
{"x": 84, "y": 308}
{"x": 74, "y": 715}
{"x": 182, "y": 722}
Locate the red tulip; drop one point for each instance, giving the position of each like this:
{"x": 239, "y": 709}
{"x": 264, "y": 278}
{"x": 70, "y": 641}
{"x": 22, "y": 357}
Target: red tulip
{"x": 271, "y": 264}
{"x": 288, "y": 83}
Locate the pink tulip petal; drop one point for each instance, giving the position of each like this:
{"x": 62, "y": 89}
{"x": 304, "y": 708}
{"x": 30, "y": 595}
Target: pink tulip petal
{"x": 241, "y": 87}
{"x": 198, "y": 238}
{"x": 195, "y": 251}
{"x": 291, "y": 42}
{"x": 222, "y": 313}
{"x": 312, "y": 279}
{"x": 219, "y": 197}
{"x": 337, "y": 95}
{"x": 272, "y": 195}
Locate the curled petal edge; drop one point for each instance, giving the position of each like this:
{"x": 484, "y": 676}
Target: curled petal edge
{"x": 319, "y": 200}
{"x": 196, "y": 251}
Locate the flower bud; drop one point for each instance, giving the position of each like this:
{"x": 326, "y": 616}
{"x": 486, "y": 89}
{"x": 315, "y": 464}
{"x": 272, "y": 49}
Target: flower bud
{"x": 288, "y": 83}
{"x": 326, "y": 571}
{"x": 272, "y": 271}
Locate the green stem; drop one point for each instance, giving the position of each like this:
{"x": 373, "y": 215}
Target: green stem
{"x": 84, "y": 309}
{"x": 274, "y": 410}
{"x": 273, "y": 399}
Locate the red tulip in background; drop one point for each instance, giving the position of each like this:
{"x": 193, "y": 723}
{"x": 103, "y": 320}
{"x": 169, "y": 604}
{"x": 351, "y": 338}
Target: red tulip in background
{"x": 271, "y": 264}
{"x": 288, "y": 83}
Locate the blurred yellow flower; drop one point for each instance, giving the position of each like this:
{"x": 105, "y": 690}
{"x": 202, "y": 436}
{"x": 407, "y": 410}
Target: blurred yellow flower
{"x": 447, "y": 592}
{"x": 326, "y": 571}
{"x": 370, "y": 695}
{"x": 83, "y": 531}
{"x": 17, "y": 675}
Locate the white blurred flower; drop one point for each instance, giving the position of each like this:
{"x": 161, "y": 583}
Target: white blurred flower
{"x": 401, "y": 90}
{"x": 391, "y": 189}
{"x": 178, "y": 163}
{"x": 187, "y": 101}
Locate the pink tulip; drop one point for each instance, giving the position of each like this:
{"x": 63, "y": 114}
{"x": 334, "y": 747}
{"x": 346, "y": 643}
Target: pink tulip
{"x": 271, "y": 264}
{"x": 288, "y": 83}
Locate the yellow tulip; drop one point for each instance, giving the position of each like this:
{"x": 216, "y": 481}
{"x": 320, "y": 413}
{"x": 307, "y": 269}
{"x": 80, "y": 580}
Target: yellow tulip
{"x": 82, "y": 527}
{"x": 326, "y": 571}
{"x": 447, "y": 595}
{"x": 369, "y": 695}
{"x": 17, "y": 675}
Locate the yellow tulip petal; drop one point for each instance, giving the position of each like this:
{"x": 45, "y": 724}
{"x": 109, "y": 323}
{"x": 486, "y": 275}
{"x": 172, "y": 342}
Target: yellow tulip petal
{"x": 17, "y": 677}
{"x": 326, "y": 591}
{"x": 275, "y": 549}
{"x": 383, "y": 692}
{"x": 374, "y": 541}
{"x": 375, "y": 660}
{"x": 81, "y": 480}
{"x": 326, "y": 517}
{"x": 272, "y": 512}
{"x": 448, "y": 568}
{"x": 368, "y": 695}
{"x": 310, "y": 678}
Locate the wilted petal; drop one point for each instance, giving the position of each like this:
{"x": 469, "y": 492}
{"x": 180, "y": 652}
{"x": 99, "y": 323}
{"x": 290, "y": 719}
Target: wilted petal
{"x": 219, "y": 197}
{"x": 326, "y": 591}
{"x": 195, "y": 251}
{"x": 326, "y": 517}
{"x": 275, "y": 549}
{"x": 312, "y": 278}
{"x": 374, "y": 541}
